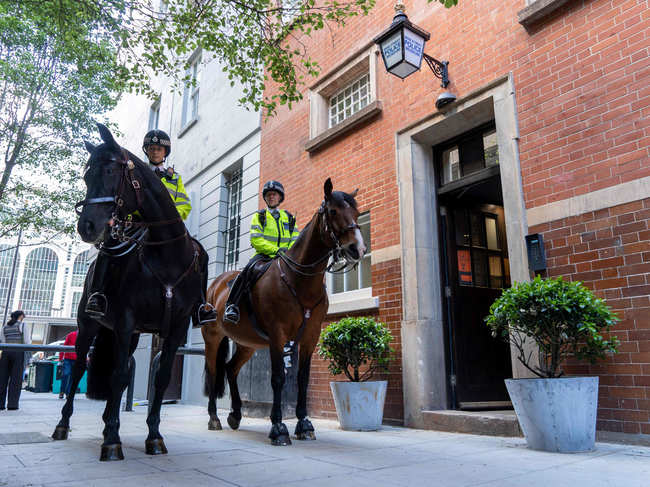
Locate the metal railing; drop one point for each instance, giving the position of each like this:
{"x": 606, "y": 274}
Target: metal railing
{"x": 17, "y": 347}
{"x": 128, "y": 406}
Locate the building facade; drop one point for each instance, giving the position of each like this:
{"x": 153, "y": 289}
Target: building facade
{"x": 45, "y": 280}
{"x": 549, "y": 135}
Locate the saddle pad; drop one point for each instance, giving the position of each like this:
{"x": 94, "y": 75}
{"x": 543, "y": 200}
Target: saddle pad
{"x": 258, "y": 270}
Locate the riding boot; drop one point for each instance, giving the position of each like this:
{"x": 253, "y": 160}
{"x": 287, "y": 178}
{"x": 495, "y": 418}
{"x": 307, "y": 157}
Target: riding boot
{"x": 97, "y": 303}
{"x": 207, "y": 313}
{"x": 231, "y": 313}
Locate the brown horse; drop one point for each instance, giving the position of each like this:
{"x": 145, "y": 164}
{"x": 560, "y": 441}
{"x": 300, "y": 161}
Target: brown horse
{"x": 290, "y": 303}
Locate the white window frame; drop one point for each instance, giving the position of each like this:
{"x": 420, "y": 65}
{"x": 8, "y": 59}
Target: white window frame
{"x": 190, "y": 113}
{"x": 236, "y": 178}
{"x": 365, "y": 62}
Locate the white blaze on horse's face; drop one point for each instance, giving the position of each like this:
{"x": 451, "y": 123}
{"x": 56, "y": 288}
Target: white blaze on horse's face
{"x": 361, "y": 247}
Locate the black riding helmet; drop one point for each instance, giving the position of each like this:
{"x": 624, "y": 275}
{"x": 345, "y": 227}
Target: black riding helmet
{"x": 273, "y": 186}
{"x": 157, "y": 137}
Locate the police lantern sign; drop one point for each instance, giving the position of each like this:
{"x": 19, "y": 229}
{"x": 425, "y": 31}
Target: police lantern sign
{"x": 402, "y": 48}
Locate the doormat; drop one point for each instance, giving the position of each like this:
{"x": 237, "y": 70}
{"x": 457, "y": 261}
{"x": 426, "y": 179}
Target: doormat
{"x": 23, "y": 438}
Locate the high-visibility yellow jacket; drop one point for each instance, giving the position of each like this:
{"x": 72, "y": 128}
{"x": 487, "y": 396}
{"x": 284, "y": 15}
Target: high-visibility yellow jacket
{"x": 268, "y": 234}
{"x": 177, "y": 192}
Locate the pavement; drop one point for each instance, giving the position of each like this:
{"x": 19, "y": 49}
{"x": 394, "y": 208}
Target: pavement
{"x": 393, "y": 456}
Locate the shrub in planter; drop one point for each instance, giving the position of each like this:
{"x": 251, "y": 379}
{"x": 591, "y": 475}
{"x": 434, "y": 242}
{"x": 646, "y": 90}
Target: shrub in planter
{"x": 563, "y": 319}
{"x": 357, "y": 347}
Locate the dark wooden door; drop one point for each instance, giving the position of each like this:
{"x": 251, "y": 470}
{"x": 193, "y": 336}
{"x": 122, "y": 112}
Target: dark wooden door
{"x": 476, "y": 271}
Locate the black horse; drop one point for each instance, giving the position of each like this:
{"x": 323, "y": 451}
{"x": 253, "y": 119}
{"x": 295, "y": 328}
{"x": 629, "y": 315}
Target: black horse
{"x": 156, "y": 287}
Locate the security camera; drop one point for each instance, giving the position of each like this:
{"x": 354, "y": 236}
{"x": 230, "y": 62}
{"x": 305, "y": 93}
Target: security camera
{"x": 445, "y": 99}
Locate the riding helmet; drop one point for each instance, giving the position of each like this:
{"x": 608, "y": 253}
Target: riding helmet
{"x": 157, "y": 137}
{"x": 273, "y": 186}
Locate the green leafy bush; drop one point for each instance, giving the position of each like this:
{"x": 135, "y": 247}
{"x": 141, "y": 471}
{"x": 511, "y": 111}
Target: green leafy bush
{"x": 562, "y": 317}
{"x": 353, "y": 343}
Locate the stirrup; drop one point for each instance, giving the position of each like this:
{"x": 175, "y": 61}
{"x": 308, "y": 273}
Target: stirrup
{"x": 96, "y": 305}
{"x": 231, "y": 314}
{"x": 206, "y": 313}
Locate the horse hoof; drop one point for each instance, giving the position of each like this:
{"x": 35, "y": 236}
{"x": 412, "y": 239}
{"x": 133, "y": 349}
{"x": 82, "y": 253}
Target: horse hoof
{"x": 282, "y": 440}
{"x": 60, "y": 433}
{"x": 233, "y": 422}
{"x": 155, "y": 447}
{"x": 306, "y": 435}
{"x": 214, "y": 425}
{"x": 111, "y": 453}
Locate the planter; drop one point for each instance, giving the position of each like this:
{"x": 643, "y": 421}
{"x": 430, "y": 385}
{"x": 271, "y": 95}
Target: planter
{"x": 557, "y": 415}
{"x": 359, "y": 405}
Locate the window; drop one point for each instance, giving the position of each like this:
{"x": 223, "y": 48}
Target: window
{"x": 191, "y": 93}
{"x": 65, "y": 287}
{"x": 154, "y": 115}
{"x": 76, "y": 297}
{"x": 6, "y": 265}
{"x": 39, "y": 279}
{"x": 478, "y": 250}
{"x": 80, "y": 269}
{"x": 360, "y": 277}
{"x": 349, "y": 100}
{"x": 468, "y": 154}
{"x": 234, "y": 186}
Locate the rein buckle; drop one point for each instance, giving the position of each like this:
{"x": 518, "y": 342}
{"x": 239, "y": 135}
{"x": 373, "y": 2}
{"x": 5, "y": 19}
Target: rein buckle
{"x": 136, "y": 184}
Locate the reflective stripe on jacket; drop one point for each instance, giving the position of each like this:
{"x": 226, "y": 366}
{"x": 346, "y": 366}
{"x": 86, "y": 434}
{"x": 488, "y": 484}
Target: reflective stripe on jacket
{"x": 179, "y": 196}
{"x": 275, "y": 234}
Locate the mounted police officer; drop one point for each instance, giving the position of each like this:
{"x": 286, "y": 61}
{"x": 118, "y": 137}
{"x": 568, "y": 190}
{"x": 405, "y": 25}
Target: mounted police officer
{"x": 272, "y": 229}
{"x": 157, "y": 147}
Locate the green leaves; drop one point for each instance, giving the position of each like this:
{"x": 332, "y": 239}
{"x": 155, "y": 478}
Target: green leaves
{"x": 356, "y": 347}
{"x": 562, "y": 318}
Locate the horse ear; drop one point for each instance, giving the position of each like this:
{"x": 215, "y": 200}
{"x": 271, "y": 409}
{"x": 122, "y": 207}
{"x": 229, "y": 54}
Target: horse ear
{"x": 354, "y": 193}
{"x": 106, "y": 135}
{"x": 328, "y": 189}
{"x": 89, "y": 147}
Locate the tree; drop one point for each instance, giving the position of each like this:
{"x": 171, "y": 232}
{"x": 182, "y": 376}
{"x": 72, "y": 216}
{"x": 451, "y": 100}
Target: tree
{"x": 52, "y": 84}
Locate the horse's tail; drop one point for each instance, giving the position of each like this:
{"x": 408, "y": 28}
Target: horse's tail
{"x": 101, "y": 365}
{"x": 218, "y": 382}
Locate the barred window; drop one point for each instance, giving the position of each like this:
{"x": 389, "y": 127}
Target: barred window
{"x": 39, "y": 279}
{"x": 349, "y": 100}
{"x": 360, "y": 277}
{"x": 80, "y": 268}
{"x": 6, "y": 264}
{"x": 234, "y": 186}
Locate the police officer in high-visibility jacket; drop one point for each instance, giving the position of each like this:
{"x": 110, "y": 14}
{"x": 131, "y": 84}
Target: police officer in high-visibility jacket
{"x": 157, "y": 146}
{"x": 271, "y": 229}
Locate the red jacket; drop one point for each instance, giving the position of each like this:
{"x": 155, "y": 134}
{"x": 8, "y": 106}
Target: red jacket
{"x": 70, "y": 339}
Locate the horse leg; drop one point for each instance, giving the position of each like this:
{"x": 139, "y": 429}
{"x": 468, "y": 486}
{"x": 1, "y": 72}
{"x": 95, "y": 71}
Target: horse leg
{"x": 215, "y": 358}
{"x": 234, "y": 365}
{"x": 84, "y": 339}
{"x": 154, "y": 444}
{"x": 304, "y": 428}
{"x": 112, "y": 446}
{"x": 279, "y": 434}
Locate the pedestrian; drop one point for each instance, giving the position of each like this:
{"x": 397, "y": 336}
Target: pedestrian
{"x": 12, "y": 363}
{"x": 66, "y": 362}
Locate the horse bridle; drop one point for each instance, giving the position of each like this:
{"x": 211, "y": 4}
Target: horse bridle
{"x": 123, "y": 224}
{"x": 336, "y": 249}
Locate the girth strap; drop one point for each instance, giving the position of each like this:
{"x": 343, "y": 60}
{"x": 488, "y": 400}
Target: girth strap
{"x": 306, "y": 312}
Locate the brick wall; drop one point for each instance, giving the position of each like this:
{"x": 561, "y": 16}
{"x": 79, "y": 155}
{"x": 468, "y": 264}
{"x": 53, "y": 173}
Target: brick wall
{"x": 609, "y": 251}
{"x": 583, "y": 101}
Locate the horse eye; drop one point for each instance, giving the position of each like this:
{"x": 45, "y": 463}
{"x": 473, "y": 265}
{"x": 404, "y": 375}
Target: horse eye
{"x": 332, "y": 212}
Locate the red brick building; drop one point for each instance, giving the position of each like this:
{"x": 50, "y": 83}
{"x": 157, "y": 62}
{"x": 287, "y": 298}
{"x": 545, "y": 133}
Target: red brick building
{"x": 549, "y": 134}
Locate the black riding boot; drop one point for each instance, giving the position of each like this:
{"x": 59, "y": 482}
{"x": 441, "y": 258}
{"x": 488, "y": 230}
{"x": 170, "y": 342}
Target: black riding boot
{"x": 231, "y": 313}
{"x": 97, "y": 303}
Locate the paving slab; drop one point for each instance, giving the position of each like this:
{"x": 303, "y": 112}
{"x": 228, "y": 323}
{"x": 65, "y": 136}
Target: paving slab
{"x": 390, "y": 457}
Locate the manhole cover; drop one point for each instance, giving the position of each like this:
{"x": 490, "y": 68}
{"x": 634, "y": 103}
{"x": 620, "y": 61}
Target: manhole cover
{"x": 20, "y": 438}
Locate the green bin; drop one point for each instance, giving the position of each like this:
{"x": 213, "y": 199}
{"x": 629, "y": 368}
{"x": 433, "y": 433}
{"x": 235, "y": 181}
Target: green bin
{"x": 56, "y": 383}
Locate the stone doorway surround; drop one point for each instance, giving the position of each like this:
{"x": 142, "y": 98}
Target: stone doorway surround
{"x": 423, "y": 336}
